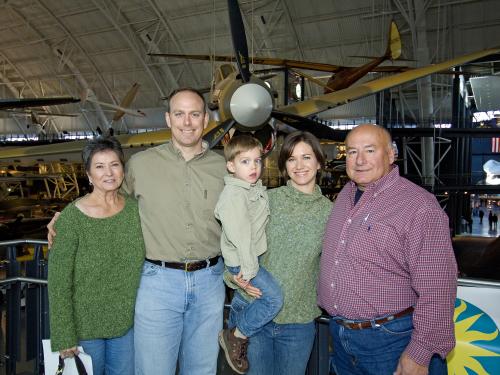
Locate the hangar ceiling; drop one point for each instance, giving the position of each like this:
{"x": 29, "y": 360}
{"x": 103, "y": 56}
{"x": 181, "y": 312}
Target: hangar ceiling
{"x": 55, "y": 47}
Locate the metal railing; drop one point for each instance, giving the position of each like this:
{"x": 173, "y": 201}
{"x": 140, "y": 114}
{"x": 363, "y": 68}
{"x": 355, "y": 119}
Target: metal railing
{"x": 26, "y": 281}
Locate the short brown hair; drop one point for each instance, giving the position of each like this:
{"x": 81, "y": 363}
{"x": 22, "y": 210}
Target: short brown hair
{"x": 289, "y": 144}
{"x": 100, "y": 144}
{"x": 188, "y": 89}
{"x": 239, "y": 144}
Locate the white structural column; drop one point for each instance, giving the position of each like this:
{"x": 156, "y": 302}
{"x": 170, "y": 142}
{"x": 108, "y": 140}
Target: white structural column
{"x": 113, "y": 14}
{"x": 414, "y": 14}
{"x": 65, "y": 60}
{"x": 77, "y": 45}
{"x": 43, "y": 61}
{"x": 165, "y": 23}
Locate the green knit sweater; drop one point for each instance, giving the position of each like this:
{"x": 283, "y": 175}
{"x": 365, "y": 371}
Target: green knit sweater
{"x": 294, "y": 242}
{"x": 94, "y": 272}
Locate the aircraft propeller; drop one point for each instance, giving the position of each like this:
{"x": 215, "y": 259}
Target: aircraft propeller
{"x": 248, "y": 102}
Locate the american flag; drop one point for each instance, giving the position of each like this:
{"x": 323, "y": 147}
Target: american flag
{"x": 495, "y": 145}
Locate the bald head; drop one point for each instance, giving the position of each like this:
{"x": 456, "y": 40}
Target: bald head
{"x": 369, "y": 154}
{"x": 375, "y": 130}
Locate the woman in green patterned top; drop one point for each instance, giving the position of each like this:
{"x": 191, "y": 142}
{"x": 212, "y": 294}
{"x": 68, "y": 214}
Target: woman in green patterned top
{"x": 95, "y": 266}
{"x": 294, "y": 236}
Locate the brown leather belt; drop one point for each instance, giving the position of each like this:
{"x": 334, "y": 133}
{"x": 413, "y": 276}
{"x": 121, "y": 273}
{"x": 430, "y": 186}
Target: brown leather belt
{"x": 188, "y": 266}
{"x": 368, "y": 323}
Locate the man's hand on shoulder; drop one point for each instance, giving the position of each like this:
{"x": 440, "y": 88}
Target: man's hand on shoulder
{"x": 408, "y": 366}
{"x": 52, "y": 231}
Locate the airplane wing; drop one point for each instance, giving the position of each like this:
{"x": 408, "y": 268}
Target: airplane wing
{"x": 328, "y": 101}
{"x": 71, "y": 150}
{"x": 36, "y": 102}
{"x": 298, "y": 64}
{"x": 39, "y": 113}
{"x": 57, "y": 151}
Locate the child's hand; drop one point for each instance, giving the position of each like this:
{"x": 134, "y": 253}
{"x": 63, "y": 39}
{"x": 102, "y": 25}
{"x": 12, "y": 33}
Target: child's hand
{"x": 246, "y": 286}
{"x": 238, "y": 279}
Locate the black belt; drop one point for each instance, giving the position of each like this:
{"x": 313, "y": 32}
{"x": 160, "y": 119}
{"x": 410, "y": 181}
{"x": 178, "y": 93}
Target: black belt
{"x": 368, "y": 323}
{"x": 187, "y": 266}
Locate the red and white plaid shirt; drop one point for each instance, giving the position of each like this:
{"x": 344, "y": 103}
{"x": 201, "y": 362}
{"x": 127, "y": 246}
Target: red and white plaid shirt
{"x": 390, "y": 251}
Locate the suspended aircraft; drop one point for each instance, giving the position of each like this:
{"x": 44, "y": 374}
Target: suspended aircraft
{"x": 342, "y": 77}
{"x": 122, "y": 108}
{"x": 36, "y": 102}
{"x": 244, "y": 101}
{"x": 38, "y": 117}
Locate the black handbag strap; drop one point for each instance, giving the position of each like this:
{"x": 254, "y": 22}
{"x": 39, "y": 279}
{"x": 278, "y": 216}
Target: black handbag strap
{"x": 79, "y": 366}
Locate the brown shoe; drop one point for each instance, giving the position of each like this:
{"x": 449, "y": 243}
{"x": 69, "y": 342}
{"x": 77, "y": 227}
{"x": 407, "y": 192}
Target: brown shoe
{"x": 235, "y": 350}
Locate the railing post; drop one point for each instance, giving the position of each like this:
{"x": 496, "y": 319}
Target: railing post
{"x": 36, "y": 310}
{"x": 13, "y": 315}
{"x": 319, "y": 362}
{"x": 44, "y": 310}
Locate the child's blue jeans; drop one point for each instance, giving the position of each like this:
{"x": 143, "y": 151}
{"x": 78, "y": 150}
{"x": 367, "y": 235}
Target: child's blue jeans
{"x": 260, "y": 311}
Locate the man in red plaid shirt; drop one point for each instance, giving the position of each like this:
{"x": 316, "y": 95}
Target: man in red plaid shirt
{"x": 388, "y": 272}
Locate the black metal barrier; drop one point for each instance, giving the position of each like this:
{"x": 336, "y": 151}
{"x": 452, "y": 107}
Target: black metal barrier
{"x": 319, "y": 362}
{"x": 26, "y": 280}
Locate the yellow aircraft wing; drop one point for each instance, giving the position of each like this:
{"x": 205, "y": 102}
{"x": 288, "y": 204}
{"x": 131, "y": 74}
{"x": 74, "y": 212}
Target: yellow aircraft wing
{"x": 324, "y": 102}
{"x": 71, "y": 150}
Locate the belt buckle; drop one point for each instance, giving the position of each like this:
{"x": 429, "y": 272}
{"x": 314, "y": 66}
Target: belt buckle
{"x": 186, "y": 266}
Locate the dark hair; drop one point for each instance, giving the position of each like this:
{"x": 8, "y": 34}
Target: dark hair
{"x": 188, "y": 89}
{"x": 289, "y": 144}
{"x": 99, "y": 144}
{"x": 239, "y": 144}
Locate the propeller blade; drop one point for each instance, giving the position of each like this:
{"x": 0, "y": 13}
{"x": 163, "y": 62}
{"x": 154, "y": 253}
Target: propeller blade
{"x": 239, "y": 39}
{"x": 320, "y": 130}
{"x": 216, "y": 134}
{"x": 266, "y": 136}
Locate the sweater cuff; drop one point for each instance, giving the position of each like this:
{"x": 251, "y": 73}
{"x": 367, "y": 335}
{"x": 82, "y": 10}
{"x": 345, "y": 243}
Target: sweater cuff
{"x": 63, "y": 343}
{"x": 418, "y": 353}
{"x": 228, "y": 279}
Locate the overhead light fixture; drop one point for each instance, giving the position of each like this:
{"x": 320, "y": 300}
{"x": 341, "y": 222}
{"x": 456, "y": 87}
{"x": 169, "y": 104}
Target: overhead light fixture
{"x": 298, "y": 91}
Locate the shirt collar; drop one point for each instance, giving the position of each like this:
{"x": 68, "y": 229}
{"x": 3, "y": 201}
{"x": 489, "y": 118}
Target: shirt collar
{"x": 171, "y": 147}
{"x": 231, "y": 180}
{"x": 382, "y": 183}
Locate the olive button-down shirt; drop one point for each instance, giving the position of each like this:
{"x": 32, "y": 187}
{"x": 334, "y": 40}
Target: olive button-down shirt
{"x": 176, "y": 202}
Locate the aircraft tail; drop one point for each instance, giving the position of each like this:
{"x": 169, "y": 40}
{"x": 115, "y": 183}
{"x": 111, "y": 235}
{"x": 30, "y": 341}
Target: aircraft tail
{"x": 393, "y": 51}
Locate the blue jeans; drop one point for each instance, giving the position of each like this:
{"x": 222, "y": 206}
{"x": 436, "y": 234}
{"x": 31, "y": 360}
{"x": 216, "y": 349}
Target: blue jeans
{"x": 374, "y": 350}
{"x": 260, "y": 311}
{"x": 278, "y": 349}
{"x": 114, "y": 356}
{"x": 178, "y": 316}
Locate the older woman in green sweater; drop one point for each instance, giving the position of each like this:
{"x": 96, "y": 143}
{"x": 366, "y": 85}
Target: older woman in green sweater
{"x": 294, "y": 236}
{"x": 95, "y": 266}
